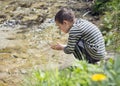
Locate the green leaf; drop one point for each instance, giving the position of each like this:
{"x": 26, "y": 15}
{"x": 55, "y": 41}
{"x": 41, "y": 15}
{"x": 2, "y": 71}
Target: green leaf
{"x": 117, "y": 63}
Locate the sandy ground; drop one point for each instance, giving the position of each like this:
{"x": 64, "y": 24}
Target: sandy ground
{"x": 20, "y": 53}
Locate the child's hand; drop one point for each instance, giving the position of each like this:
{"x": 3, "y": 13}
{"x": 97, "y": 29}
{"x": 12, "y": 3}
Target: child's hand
{"x": 57, "y": 46}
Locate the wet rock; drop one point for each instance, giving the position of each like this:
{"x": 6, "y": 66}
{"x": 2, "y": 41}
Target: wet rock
{"x": 32, "y": 19}
{"x": 14, "y": 56}
{"x": 20, "y": 10}
{"x": 28, "y": 16}
{"x": 23, "y": 71}
{"x": 19, "y": 16}
{"x": 12, "y": 2}
{"x": 9, "y": 8}
{"x": 25, "y": 4}
{"x": 47, "y": 23}
{"x": 40, "y": 5}
{"x": 2, "y": 20}
{"x": 11, "y": 23}
{"x": 22, "y": 31}
{"x": 2, "y": 17}
{"x": 3, "y": 75}
{"x": 4, "y": 56}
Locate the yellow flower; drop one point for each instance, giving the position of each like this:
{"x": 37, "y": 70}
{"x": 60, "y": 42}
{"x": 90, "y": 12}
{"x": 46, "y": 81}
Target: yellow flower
{"x": 98, "y": 77}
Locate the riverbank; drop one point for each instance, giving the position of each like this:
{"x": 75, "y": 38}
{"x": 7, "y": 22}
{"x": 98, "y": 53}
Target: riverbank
{"x": 25, "y": 35}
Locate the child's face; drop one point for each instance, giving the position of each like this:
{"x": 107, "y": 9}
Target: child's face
{"x": 64, "y": 27}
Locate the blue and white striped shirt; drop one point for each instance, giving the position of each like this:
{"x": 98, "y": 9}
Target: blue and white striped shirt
{"x": 92, "y": 36}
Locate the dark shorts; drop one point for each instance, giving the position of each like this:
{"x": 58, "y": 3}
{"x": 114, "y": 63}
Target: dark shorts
{"x": 81, "y": 54}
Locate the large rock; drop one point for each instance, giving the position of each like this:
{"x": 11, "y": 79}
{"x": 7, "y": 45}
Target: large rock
{"x": 32, "y": 19}
{"x": 2, "y": 17}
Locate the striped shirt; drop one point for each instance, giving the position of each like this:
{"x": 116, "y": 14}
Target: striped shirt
{"x": 92, "y": 36}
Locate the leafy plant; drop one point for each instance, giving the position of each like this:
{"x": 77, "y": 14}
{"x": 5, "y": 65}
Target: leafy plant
{"x": 73, "y": 76}
{"x": 112, "y": 70}
{"x": 82, "y": 74}
{"x": 99, "y": 6}
{"x": 111, "y": 27}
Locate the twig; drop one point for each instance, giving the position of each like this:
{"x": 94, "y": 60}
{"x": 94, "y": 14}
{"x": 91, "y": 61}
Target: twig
{"x": 86, "y": 13}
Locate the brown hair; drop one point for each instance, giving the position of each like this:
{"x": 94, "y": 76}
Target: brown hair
{"x": 65, "y": 14}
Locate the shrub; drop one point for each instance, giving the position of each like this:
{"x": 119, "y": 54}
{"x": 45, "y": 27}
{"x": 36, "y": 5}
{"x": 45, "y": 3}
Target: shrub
{"x": 99, "y": 6}
{"x": 111, "y": 27}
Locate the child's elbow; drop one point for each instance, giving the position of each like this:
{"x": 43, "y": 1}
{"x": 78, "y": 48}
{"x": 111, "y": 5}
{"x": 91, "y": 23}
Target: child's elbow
{"x": 68, "y": 51}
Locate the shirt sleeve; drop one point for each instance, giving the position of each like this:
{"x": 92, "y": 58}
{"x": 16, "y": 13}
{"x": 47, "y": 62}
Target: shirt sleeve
{"x": 73, "y": 38}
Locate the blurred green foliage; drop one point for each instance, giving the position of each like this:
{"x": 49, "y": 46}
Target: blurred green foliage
{"x": 111, "y": 21}
{"x": 107, "y": 73}
{"x": 110, "y": 12}
{"x": 99, "y": 6}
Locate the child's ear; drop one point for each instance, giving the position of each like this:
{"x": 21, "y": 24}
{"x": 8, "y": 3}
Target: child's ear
{"x": 65, "y": 22}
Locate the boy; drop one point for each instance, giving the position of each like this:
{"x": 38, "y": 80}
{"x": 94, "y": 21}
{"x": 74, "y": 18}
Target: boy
{"x": 85, "y": 39}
